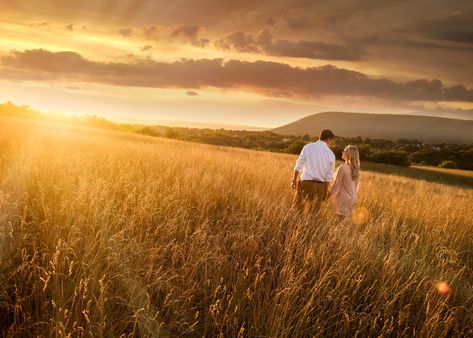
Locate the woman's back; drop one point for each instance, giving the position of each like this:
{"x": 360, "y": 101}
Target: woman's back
{"x": 344, "y": 190}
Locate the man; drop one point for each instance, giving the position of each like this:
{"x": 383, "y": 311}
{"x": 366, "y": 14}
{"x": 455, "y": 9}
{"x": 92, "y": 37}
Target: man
{"x": 317, "y": 164}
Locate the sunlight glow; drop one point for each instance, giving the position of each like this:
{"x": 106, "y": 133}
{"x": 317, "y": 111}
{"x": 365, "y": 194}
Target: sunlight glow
{"x": 443, "y": 287}
{"x": 361, "y": 215}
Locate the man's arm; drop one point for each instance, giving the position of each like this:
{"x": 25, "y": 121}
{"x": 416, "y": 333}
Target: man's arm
{"x": 300, "y": 163}
{"x": 329, "y": 176}
{"x": 331, "y": 170}
{"x": 294, "y": 179}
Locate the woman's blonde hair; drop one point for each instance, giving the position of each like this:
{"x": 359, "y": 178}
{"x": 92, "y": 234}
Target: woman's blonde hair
{"x": 353, "y": 161}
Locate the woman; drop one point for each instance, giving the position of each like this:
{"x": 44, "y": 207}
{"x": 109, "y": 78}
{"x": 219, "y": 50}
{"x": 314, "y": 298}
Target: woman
{"x": 345, "y": 183}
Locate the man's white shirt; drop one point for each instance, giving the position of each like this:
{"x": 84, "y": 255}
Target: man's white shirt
{"x": 316, "y": 162}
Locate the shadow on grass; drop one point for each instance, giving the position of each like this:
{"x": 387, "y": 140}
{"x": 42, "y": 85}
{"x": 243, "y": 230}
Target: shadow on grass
{"x": 421, "y": 174}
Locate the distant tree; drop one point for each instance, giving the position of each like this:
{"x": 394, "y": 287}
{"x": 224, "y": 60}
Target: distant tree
{"x": 357, "y": 140}
{"x": 10, "y": 109}
{"x": 170, "y": 133}
{"x": 382, "y": 144}
{"x": 398, "y": 158}
{"x": 306, "y": 138}
{"x": 341, "y": 142}
{"x": 468, "y": 159}
{"x": 429, "y": 155}
{"x": 365, "y": 151}
{"x": 410, "y": 148}
{"x": 403, "y": 141}
{"x": 295, "y": 147}
{"x": 448, "y": 165}
{"x": 337, "y": 150}
{"x": 148, "y": 131}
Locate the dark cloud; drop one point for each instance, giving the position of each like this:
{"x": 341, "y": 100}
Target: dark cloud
{"x": 455, "y": 27}
{"x": 269, "y": 78}
{"x": 412, "y": 43}
{"x": 146, "y": 48}
{"x": 335, "y": 23}
{"x": 266, "y": 44}
{"x": 192, "y": 93}
{"x": 191, "y": 33}
{"x": 70, "y": 27}
{"x": 239, "y": 41}
{"x": 310, "y": 49}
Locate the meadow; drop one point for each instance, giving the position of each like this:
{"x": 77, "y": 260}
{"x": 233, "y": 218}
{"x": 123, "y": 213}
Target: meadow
{"x": 111, "y": 234}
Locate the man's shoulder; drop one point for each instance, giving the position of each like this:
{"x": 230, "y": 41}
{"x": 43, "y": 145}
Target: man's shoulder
{"x": 332, "y": 154}
{"x": 310, "y": 145}
{"x": 315, "y": 145}
{"x": 319, "y": 146}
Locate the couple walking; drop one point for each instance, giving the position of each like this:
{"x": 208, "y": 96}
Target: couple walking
{"x": 320, "y": 180}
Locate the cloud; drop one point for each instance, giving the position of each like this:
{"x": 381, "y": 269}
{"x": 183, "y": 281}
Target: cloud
{"x": 413, "y": 43}
{"x": 239, "y": 41}
{"x": 191, "y": 33}
{"x": 166, "y": 32}
{"x": 455, "y": 27}
{"x": 268, "y": 78}
{"x": 151, "y": 32}
{"x": 70, "y": 27}
{"x": 40, "y": 24}
{"x": 266, "y": 44}
{"x": 146, "y": 48}
{"x": 298, "y": 21}
{"x": 191, "y": 93}
{"x": 125, "y": 32}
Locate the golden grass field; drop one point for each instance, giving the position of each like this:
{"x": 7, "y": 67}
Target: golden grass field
{"x": 459, "y": 172}
{"x": 107, "y": 234}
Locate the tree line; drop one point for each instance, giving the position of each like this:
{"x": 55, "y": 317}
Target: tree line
{"x": 401, "y": 152}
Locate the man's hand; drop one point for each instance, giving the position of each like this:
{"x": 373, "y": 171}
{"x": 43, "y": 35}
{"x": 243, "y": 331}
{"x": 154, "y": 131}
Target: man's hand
{"x": 294, "y": 179}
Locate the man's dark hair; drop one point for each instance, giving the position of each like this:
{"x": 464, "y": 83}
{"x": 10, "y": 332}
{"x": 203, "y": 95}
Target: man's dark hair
{"x": 326, "y": 135}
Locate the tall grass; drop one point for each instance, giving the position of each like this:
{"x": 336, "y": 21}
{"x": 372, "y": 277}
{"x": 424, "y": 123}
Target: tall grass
{"x": 109, "y": 234}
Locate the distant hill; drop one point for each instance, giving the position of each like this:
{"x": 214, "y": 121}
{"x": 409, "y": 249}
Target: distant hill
{"x": 384, "y": 126}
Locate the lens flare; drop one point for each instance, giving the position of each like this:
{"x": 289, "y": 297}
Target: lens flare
{"x": 361, "y": 215}
{"x": 443, "y": 288}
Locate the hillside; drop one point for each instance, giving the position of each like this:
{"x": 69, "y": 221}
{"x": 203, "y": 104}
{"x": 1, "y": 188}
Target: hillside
{"x": 384, "y": 126}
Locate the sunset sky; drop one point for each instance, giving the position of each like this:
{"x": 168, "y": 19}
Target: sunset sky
{"x": 247, "y": 63}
